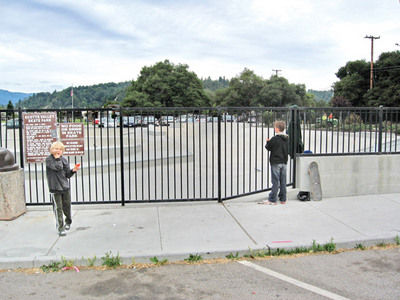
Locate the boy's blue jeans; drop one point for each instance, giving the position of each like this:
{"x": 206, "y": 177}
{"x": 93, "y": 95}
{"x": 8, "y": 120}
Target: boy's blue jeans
{"x": 278, "y": 178}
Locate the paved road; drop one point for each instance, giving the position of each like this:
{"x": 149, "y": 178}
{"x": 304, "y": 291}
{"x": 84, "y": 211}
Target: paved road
{"x": 371, "y": 274}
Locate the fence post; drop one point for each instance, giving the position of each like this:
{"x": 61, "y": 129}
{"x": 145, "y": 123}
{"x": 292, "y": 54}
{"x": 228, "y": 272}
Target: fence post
{"x": 380, "y": 129}
{"x": 121, "y": 153}
{"x": 294, "y": 142}
{"x": 21, "y": 139}
{"x": 219, "y": 156}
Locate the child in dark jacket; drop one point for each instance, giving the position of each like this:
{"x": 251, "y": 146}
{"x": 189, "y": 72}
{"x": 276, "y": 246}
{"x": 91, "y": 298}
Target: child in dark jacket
{"x": 58, "y": 173}
{"x": 278, "y": 147}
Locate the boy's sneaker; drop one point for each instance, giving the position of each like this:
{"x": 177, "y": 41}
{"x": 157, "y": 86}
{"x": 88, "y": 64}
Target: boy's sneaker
{"x": 62, "y": 233}
{"x": 67, "y": 226}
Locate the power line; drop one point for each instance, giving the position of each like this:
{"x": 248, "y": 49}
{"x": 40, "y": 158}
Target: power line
{"x": 387, "y": 68}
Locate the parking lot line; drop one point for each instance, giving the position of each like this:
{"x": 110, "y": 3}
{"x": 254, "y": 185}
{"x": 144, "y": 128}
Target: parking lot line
{"x": 293, "y": 281}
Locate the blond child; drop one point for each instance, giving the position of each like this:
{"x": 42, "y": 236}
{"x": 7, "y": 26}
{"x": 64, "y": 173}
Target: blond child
{"x": 58, "y": 173}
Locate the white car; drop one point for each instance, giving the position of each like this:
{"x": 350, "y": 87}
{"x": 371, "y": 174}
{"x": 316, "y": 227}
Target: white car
{"x": 166, "y": 120}
{"x": 107, "y": 122}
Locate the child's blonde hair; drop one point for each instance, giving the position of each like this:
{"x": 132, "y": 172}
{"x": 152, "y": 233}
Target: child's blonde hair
{"x": 57, "y": 144}
{"x": 280, "y": 125}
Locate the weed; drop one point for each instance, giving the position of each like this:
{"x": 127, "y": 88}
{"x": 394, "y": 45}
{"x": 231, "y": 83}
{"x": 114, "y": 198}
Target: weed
{"x": 259, "y": 253}
{"x": 133, "y": 261}
{"x": 279, "y": 252}
{"x": 316, "y": 247}
{"x": 360, "y": 247}
{"x": 330, "y": 247}
{"x": 193, "y": 258}
{"x": 51, "y": 267}
{"x": 111, "y": 261}
{"x": 91, "y": 261}
{"x": 298, "y": 250}
{"x": 231, "y": 256}
{"x": 66, "y": 263}
{"x": 397, "y": 240}
{"x": 381, "y": 244}
{"x": 158, "y": 262}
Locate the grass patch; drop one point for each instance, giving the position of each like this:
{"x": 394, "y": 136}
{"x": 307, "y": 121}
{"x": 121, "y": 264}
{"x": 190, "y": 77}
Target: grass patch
{"x": 51, "y": 267}
{"x": 158, "y": 262}
{"x": 66, "y": 263}
{"x": 232, "y": 256}
{"x": 193, "y": 258}
{"x": 110, "y": 260}
{"x": 329, "y": 247}
{"x": 382, "y": 244}
{"x": 360, "y": 247}
{"x": 91, "y": 261}
{"x": 397, "y": 240}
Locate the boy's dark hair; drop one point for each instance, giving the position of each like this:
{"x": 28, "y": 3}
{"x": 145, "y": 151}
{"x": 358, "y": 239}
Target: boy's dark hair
{"x": 280, "y": 125}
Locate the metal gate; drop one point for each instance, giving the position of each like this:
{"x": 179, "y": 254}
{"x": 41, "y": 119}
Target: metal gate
{"x": 191, "y": 154}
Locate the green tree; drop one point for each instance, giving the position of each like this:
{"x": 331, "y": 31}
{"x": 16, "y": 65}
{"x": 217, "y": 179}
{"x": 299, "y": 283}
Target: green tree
{"x": 248, "y": 89}
{"x": 214, "y": 85}
{"x": 339, "y": 101}
{"x": 243, "y": 90}
{"x": 386, "y": 90}
{"x": 166, "y": 85}
{"x": 354, "y": 82}
{"x": 10, "y": 106}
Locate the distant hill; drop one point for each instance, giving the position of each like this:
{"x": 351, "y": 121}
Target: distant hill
{"x": 6, "y": 96}
{"x": 322, "y": 95}
{"x": 93, "y": 96}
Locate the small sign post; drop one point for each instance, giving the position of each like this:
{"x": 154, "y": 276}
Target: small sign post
{"x": 72, "y": 136}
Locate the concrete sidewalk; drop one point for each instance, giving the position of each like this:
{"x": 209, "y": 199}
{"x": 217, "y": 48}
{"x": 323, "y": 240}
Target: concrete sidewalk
{"x": 176, "y": 230}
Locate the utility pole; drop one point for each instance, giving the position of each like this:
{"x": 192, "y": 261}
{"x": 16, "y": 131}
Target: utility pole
{"x": 72, "y": 96}
{"x": 372, "y": 38}
{"x": 276, "y": 72}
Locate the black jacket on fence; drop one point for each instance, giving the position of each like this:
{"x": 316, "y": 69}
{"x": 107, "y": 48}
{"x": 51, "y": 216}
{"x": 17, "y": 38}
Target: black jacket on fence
{"x": 58, "y": 172}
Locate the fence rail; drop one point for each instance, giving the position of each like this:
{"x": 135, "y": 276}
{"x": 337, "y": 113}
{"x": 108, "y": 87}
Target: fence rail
{"x": 190, "y": 154}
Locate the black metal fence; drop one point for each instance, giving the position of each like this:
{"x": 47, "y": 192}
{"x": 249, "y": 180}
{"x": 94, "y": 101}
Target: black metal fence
{"x": 181, "y": 154}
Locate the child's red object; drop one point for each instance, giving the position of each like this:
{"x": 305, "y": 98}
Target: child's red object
{"x": 77, "y": 165}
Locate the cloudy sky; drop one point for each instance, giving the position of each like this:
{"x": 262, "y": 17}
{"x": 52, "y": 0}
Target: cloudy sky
{"x": 48, "y": 45}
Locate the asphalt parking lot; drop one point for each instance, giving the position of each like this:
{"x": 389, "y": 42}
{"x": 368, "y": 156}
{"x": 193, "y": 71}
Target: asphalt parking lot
{"x": 369, "y": 274}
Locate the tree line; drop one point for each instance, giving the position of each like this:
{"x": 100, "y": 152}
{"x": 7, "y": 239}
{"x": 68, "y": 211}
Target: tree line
{"x": 353, "y": 87}
{"x": 166, "y": 84}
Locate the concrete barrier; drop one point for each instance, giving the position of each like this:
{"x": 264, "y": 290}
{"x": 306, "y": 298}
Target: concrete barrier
{"x": 12, "y": 195}
{"x": 351, "y": 175}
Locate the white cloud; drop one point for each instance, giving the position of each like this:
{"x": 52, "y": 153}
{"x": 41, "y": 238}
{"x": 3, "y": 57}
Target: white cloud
{"x": 47, "y": 44}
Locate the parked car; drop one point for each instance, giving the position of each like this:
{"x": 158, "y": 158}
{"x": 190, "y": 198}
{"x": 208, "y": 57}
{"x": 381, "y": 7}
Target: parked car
{"x": 12, "y": 123}
{"x": 107, "y": 122}
{"x": 185, "y": 119}
{"x": 147, "y": 120}
{"x": 128, "y": 121}
{"x": 228, "y": 118}
{"x": 212, "y": 119}
{"x": 202, "y": 118}
{"x": 166, "y": 120}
